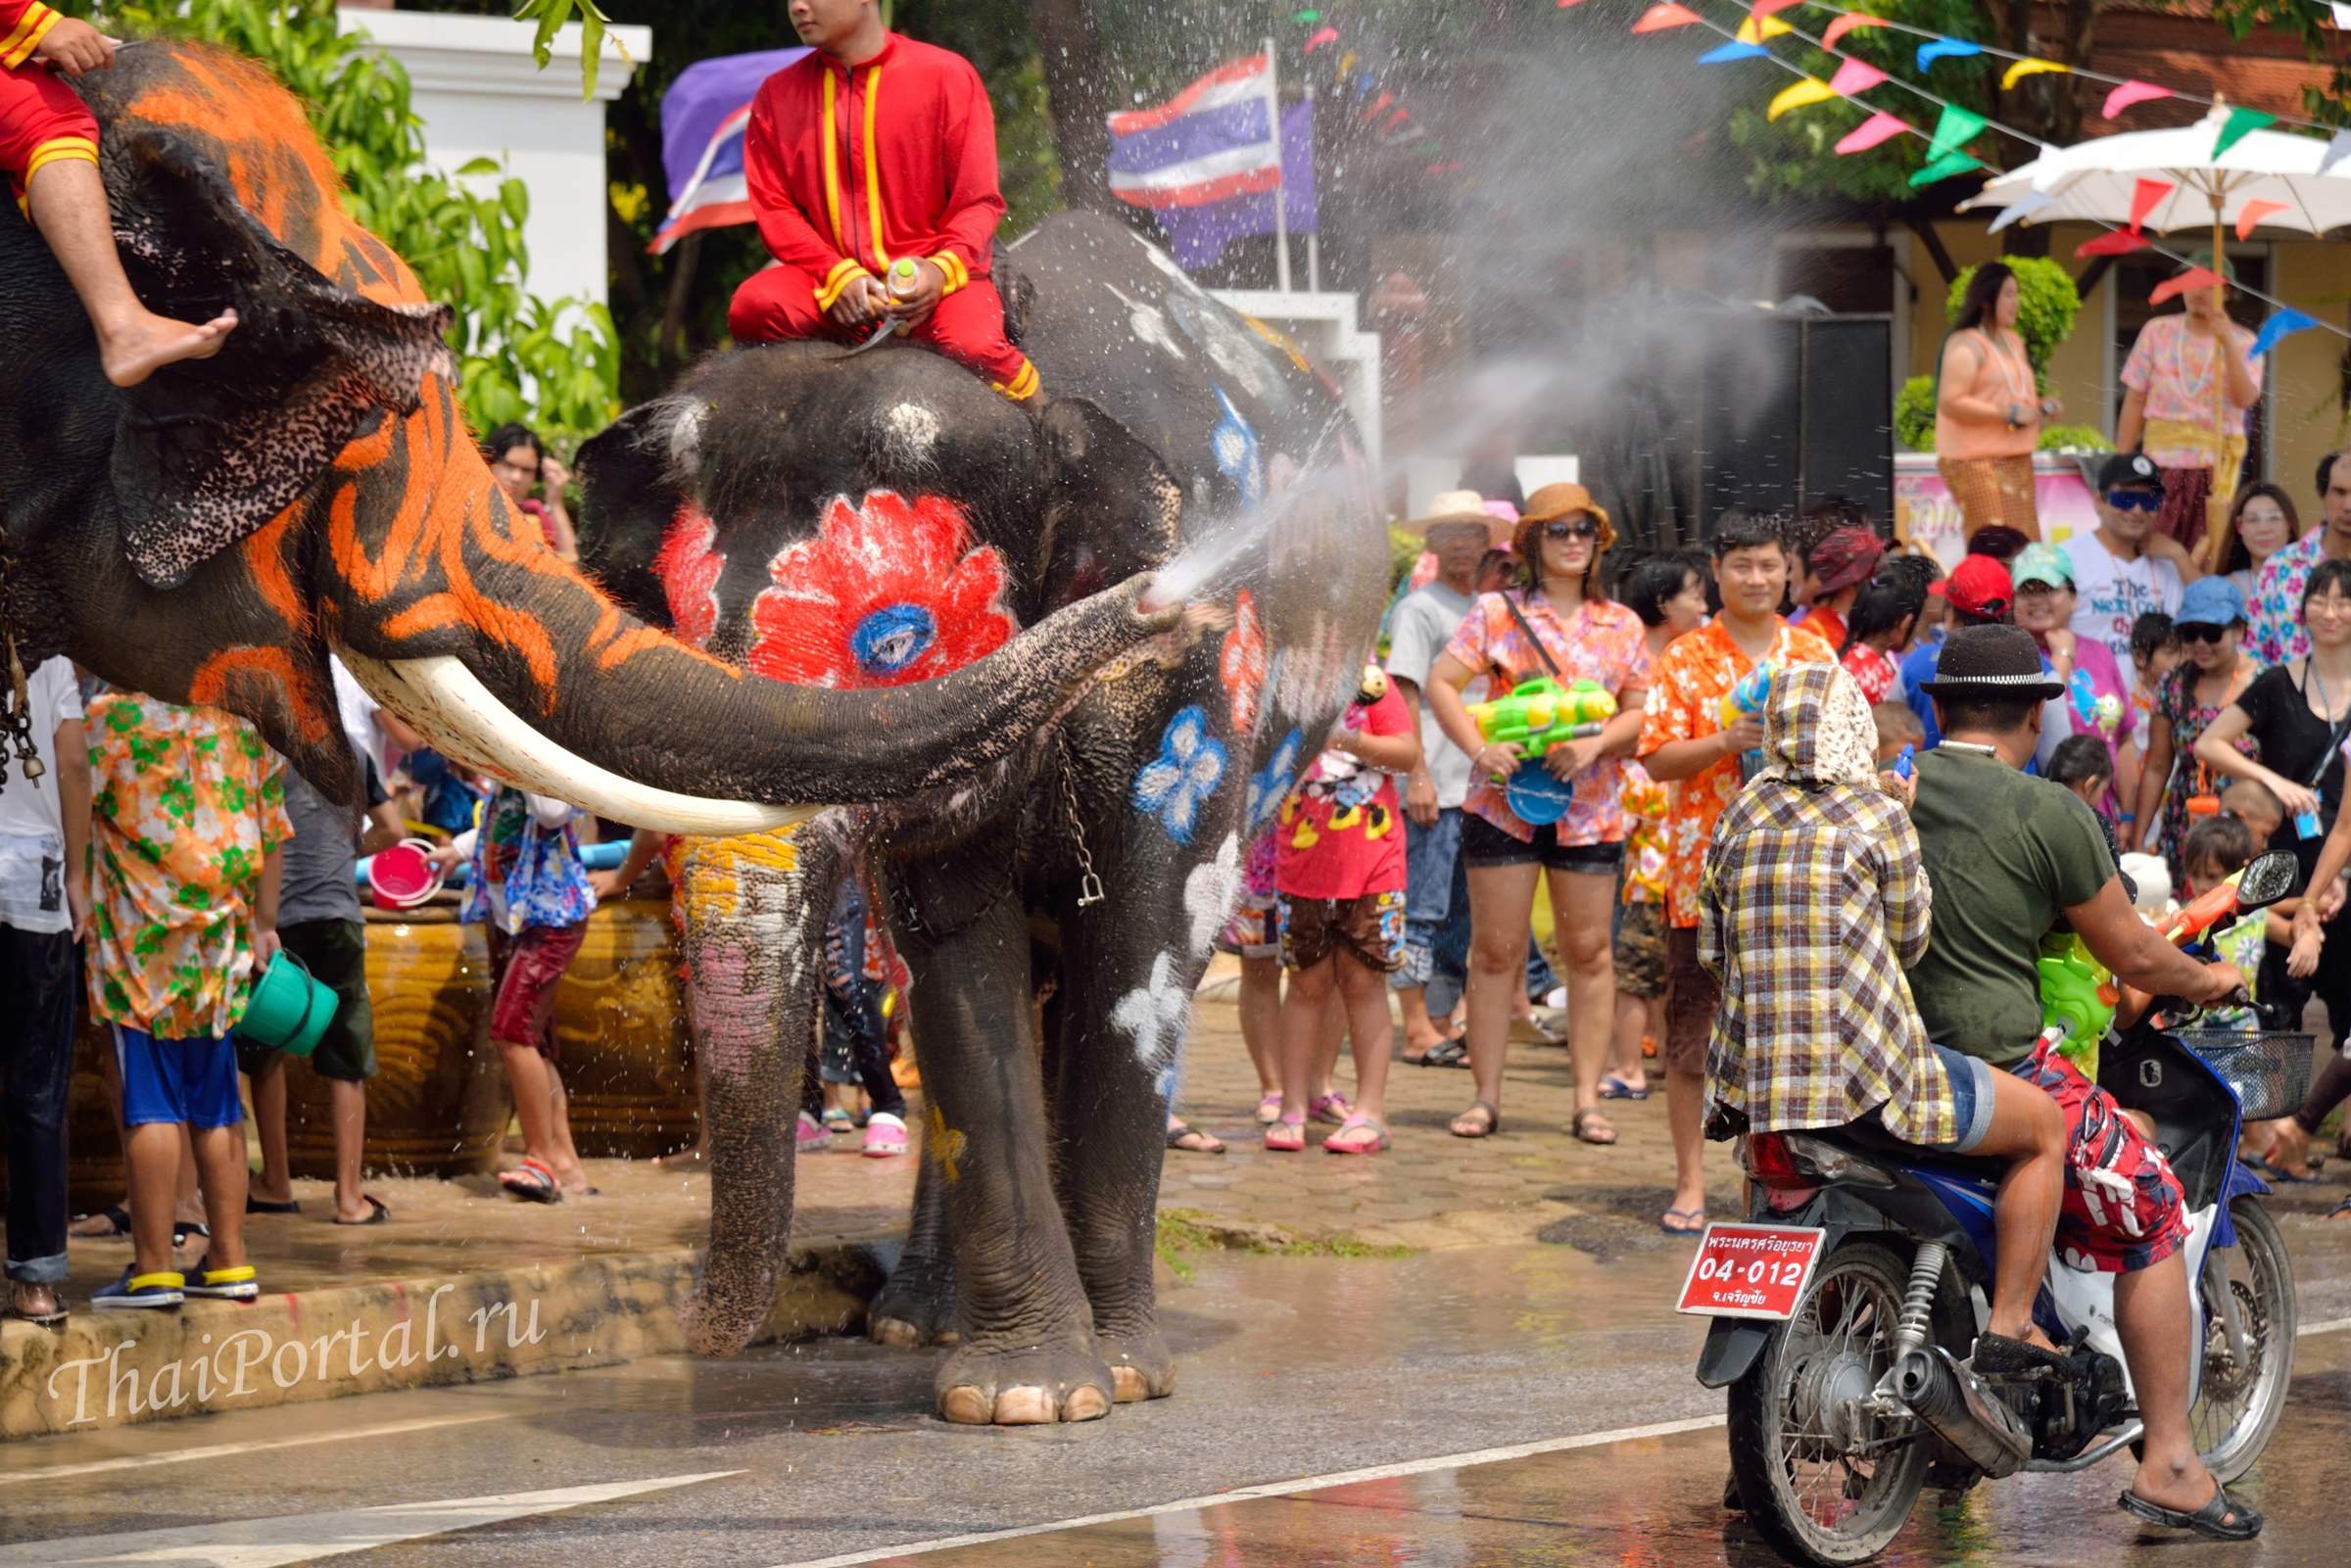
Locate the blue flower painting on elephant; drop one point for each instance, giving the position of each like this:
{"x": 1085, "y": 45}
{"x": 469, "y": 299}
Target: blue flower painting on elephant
{"x": 1176, "y": 783}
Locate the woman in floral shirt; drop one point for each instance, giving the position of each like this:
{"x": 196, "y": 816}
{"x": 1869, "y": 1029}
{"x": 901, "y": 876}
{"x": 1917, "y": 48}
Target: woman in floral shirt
{"x": 1555, "y": 623}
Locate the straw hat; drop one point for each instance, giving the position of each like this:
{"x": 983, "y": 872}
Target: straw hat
{"x": 1460, "y": 506}
{"x": 1555, "y": 501}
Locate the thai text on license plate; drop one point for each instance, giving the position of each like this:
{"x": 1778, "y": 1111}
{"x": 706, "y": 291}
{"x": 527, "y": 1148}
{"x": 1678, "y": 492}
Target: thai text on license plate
{"x": 1751, "y": 1270}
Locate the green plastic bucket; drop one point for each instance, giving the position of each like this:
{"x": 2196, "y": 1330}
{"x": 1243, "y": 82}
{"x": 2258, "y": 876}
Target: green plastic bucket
{"x": 290, "y": 1007}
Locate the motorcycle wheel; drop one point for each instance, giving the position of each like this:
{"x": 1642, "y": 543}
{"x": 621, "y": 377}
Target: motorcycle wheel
{"x": 2238, "y": 1402}
{"x": 1823, "y": 1483}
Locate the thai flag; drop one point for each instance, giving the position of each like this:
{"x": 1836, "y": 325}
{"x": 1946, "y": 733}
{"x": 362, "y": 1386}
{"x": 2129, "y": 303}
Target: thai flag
{"x": 1215, "y": 140}
{"x": 703, "y": 116}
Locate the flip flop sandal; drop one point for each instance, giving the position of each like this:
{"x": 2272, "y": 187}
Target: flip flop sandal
{"x": 1613, "y": 1087}
{"x": 1286, "y": 1138}
{"x": 36, "y": 1319}
{"x": 1205, "y": 1143}
{"x": 117, "y": 1216}
{"x": 1268, "y": 1109}
{"x": 838, "y": 1121}
{"x": 532, "y": 1182}
{"x": 1349, "y": 1139}
{"x": 1446, "y": 1053}
{"x": 1493, "y": 1122}
{"x": 2210, "y": 1521}
{"x": 1671, "y": 1229}
{"x": 1331, "y": 1109}
{"x": 2340, "y": 1210}
{"x": 378, "y": 1212}
{"x": 263, "y": 1206}
{"x": 1583, "y": 1119}
{"x": 182, "y": 1229}
{"x": 2278, "y": 1174}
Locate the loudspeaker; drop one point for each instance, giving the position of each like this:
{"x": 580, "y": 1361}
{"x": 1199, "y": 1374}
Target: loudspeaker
{"x": 1793, "y": 409}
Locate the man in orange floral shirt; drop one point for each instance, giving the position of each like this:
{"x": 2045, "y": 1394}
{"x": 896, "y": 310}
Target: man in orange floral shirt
{"x": 1685, "y": 745}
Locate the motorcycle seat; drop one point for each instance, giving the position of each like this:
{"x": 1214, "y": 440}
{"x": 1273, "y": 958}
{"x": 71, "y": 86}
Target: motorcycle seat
{"x": 1869, "y": 1136}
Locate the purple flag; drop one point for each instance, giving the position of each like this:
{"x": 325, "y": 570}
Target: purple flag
{"x": 1198, "y": 235}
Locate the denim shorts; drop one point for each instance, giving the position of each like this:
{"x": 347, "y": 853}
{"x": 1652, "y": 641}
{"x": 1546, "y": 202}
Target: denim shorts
{"x": 1971, "y": 1099}
{"x": 1484, "y": 844}
{"x": 192, "y": 1080}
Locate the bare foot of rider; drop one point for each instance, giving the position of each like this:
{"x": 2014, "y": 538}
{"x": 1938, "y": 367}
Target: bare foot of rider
{"x": 139, "y": 346}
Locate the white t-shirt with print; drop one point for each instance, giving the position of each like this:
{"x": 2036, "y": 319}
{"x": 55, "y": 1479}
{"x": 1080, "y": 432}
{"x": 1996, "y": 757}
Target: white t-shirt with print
{"x": 32, "y": 832}
{"x": 2110, "y": 594}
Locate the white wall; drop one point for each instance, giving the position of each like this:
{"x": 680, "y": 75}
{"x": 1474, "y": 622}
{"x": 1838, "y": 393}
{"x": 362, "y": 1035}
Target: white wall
{"x": 481, "y": 95}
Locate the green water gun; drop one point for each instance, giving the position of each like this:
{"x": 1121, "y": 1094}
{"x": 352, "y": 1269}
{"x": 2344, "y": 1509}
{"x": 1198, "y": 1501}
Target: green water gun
{"x": 2077, "y": 995}
{"x": 1540, "y": 714}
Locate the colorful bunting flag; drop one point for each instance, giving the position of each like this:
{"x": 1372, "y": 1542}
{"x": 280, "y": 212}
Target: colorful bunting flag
{"x": 2195, "y": 277}
{"x": 1855, "y": 76}
{"x": 1724, "y": 54}
{"x": 1955, "y": 129}
{"x": 2145, "y": 197}
{"x": 2336, "y": 151}
{"x": 1770, "y": 8}
{"x": 1946, "y": 49}
{"x": 1332, "y": 36}
{"x": 1754, "y": 31}
{"x": 2241, "y": 123}
{"x": 1664, "y": 14}
{"x": 2132, "y": 92}
{"x": 2031, "y": 68}
{"x": 2285, "y": 322}
{"x": 1878, "y": 127}
{"x": 2118, "y": 242}
{"x": 1346, "y": 64}
{"x": 1943, "y": 168}
{"x": 1811, "y": 90}
{"x": 2249, "y": 216}
{"x": 1847, "y": 24}
{"x": 2021, "y": 207}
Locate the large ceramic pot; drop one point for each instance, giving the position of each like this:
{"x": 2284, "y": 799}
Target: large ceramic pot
{"x": 621, "y": 1039}
{"x": 439, "y": 1104}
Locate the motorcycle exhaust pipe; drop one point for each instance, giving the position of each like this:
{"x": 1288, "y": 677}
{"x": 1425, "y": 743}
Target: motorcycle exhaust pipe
{"x": 1961, "y": 1411}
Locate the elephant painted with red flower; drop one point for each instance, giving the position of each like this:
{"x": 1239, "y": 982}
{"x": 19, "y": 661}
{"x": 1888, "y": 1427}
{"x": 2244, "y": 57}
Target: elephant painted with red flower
{"x": 860, "y": 521}
{"x": 211, "y": 535}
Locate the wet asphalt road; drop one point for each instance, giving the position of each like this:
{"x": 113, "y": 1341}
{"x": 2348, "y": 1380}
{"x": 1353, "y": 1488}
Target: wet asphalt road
{"x": 1416, "y": 1370}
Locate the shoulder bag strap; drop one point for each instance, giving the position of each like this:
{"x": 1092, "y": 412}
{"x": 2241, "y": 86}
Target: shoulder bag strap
{"x": 1541, "y": 652}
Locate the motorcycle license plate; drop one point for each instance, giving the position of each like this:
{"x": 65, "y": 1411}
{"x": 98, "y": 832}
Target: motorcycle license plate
{"x": 1751, "y": 1271}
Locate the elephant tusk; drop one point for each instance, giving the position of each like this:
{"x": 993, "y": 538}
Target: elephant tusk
{"x": 449, "y": 706}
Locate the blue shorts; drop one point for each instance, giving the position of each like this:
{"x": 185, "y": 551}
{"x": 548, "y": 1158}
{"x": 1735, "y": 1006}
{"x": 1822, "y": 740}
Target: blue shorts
{"x": 1971, "y": 1099}
{"x": 194, "y": 1082}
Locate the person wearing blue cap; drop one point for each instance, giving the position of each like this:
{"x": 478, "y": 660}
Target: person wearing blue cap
{"x": 2124, "y": 568}
{"x": 2212, "y": 671}
{"x": 2096, "y": 699}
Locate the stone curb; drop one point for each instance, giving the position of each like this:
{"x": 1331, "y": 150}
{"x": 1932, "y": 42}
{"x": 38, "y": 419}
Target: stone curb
{"x": 114, "y": 1369}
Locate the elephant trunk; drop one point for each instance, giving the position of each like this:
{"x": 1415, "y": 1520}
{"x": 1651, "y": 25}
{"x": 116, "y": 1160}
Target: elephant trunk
{"x": 535, "y": 675}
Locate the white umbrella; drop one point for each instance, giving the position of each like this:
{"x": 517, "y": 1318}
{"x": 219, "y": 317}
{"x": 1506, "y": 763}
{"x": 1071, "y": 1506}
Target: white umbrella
{"x": 2098, "y": 181}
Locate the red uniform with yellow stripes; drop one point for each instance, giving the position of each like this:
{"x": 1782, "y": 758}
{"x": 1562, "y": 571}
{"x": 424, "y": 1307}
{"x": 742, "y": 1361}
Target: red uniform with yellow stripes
{"x": 852, "y": 167}
{"x": 41, "y": 120}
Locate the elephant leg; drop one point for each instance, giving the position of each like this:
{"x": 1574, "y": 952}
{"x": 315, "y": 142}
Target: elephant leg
{"x": 1123, "y": 1023}
{"x": 1027, "y": 1353}
{"x": 754, "y": 923}
{"x": 917, "y": 1307}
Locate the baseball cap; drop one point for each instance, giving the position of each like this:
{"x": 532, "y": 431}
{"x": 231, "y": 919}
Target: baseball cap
{"x": 2045, "y": 565}
{"x": 2210, "y": 601}
{"x": 2129, "y": 470}
{"x": 1980, "y": 587}
{"x": 1844, "y": 556}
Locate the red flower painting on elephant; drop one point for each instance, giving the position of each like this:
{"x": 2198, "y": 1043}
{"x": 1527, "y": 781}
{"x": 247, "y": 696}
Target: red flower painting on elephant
{"x": 890, "y": 591}
{"x": 1243, "y": 664}
{"x": 688, "y": 565}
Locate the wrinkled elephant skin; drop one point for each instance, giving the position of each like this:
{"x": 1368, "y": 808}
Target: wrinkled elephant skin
{"x": 211, "y": 535}
{"x": 859, "y": 522}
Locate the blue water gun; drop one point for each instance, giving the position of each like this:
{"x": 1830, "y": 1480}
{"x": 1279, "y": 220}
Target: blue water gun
{"x": 1747, "y": 701}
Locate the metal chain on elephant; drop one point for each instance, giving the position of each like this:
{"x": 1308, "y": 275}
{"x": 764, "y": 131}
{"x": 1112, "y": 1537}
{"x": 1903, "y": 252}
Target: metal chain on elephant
{"x": 1089, "y": 885}
{"x": 16, "y": 701}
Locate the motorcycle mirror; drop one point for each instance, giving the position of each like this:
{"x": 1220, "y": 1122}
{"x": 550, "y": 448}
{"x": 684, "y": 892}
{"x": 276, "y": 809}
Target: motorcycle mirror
{"x": 2267, "y": 879}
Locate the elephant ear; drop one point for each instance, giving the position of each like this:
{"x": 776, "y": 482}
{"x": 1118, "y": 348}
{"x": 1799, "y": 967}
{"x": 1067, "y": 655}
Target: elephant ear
{"x": 629, "y": 492}
{"x": 1114, "y": 507}
{"x": 213, "y": 448}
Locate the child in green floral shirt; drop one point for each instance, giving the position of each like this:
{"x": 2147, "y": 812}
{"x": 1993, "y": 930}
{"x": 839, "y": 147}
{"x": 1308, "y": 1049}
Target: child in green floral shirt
{"x": 188, "y": 814}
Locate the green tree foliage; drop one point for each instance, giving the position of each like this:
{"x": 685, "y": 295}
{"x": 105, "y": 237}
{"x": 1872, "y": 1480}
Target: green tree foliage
{"x": 554, "y": 365}
{"x": 1914, "y": 415}
{"x": 2047, "y": 303}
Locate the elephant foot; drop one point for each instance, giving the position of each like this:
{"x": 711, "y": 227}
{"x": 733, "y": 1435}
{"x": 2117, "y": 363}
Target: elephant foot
{"x": 915, "y": 1307}
{"x": 1141, "y": 1368}
{"x": 1028, "y": 1387}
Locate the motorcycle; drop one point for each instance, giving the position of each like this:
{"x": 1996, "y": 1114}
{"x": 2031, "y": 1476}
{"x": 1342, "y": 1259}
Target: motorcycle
{"x": 1845, "y": 1309}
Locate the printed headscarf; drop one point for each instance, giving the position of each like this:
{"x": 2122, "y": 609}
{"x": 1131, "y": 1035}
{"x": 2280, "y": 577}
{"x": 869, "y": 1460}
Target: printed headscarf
{"x": 1817, "y": 728}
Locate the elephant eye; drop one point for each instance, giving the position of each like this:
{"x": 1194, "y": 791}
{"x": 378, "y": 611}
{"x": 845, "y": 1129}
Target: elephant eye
{"x": 891, "y": 637}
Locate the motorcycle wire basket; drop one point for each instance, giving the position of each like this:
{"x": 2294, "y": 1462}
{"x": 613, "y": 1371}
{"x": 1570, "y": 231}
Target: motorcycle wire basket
{"x": 2268, "y": 1070}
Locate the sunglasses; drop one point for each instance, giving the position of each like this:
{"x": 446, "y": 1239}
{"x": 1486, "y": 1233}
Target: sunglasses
{"x": 1571, "y": 528}
{"x": 2135, "y": 500}
{"x": 2198, "y": 632}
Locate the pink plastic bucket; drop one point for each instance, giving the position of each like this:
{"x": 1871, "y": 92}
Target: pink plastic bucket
{"x": 404, "y": 876}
